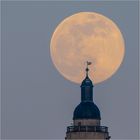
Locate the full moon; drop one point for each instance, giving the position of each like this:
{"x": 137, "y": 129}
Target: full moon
{"x": 87, "y": 36}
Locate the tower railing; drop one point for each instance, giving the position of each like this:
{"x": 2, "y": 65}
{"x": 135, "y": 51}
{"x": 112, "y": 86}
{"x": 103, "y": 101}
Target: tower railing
{"x": 87, "y": 129}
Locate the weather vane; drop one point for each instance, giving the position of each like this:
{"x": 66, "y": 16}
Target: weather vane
{"x": 87, "y": 69}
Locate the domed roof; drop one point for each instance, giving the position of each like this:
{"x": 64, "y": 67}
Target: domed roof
{"x": 86, "y": 82}
{"x": 86, "y": 110}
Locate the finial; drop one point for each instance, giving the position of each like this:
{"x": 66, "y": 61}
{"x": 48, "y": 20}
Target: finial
{"x": 87, "y": 69}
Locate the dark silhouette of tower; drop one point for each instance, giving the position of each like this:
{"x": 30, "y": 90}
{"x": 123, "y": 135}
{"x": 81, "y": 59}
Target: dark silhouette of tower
{"x": 86, "y": 116}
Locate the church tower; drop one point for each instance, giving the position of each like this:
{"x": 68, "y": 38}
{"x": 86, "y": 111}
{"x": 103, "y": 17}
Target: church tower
{"x": 86, "y": 116}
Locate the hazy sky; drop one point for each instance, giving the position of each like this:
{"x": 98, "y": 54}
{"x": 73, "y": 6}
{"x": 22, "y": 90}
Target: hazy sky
{"x": 37, "y": 102}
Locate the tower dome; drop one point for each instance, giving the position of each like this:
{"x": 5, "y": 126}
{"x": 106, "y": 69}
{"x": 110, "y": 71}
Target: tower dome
{"x": 86, "y": 110}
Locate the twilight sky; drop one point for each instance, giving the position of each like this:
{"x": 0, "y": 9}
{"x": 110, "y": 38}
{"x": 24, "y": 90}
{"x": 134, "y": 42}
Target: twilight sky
{"x": 37, "y": 102}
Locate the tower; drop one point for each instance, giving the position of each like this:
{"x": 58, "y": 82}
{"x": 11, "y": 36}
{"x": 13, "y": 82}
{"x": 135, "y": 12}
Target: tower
{"x": 86, "y": 116}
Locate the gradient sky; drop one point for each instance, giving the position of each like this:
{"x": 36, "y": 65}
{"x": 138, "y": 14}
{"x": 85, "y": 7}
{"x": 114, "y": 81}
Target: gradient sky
{"x": 37, "y": 102}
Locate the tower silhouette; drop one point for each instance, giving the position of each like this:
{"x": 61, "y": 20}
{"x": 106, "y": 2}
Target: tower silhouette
{"x": 86, "y": 116}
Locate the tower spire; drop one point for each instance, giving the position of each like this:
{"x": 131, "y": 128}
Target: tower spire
{"x": 87, "y": 87}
